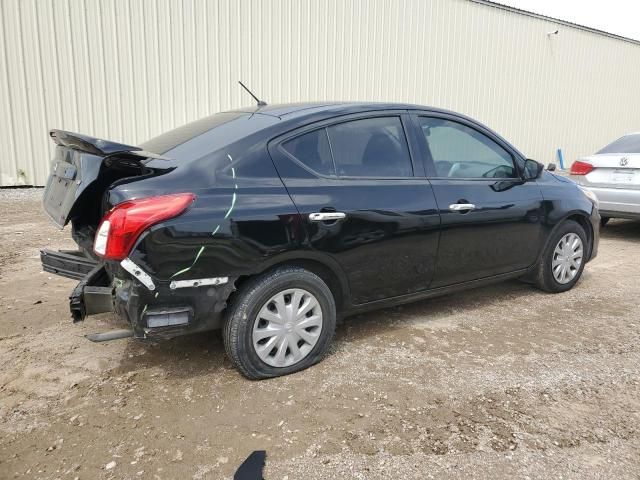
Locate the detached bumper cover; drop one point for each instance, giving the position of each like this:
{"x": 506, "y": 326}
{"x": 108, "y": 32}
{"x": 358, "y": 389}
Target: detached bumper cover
{"x": 92, "y": 295}
{"x": 167, "y": 312}
{"x": 154, "y": 308}
{"x": 66, "y": 263}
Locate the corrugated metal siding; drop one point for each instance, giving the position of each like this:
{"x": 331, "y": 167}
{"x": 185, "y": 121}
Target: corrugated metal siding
{"x": 130, "y": 69}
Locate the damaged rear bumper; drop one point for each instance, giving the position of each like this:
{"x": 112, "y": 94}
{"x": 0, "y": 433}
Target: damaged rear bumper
{"x": 92, "y": 295}
{"x": 154, "y": 309}
{"x": 66, "y": 263}
{"x": 159, "y": 309}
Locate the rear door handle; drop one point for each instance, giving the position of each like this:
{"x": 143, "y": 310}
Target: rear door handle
{"x": 462, "y": 207}
{"x": 326, "y": 216}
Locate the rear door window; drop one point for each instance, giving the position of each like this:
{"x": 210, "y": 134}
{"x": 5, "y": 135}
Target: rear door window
{"x": 312, "y": 149}
{"x": 459, "y": 151}
{"x": 370, "y": 147}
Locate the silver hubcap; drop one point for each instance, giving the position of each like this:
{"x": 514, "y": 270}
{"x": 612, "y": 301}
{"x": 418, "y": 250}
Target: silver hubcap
{"x": 567, "y": 258}
{"x": 287, "y": 328}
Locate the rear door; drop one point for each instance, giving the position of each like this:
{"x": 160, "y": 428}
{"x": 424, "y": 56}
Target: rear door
{"x": 364, "y": 201}
{"x": 491, "y": 219}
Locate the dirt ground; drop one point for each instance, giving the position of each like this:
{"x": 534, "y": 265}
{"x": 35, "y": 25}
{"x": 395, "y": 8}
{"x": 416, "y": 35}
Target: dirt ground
{"x": 493, "y": 383}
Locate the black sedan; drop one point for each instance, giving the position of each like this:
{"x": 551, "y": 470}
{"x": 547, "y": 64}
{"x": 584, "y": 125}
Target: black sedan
{"x": 273, "y": 223}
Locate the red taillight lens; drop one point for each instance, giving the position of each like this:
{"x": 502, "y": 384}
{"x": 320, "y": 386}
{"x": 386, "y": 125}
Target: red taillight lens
{"x": 124, "y": 223}
{"x": 580, "y": 168}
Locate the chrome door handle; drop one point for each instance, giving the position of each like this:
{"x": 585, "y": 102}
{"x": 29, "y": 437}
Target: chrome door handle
{"x": 326, "y": 216}
{"x": 461, "y": 207}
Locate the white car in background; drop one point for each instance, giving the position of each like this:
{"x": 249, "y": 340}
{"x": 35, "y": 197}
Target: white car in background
{"x": 613, "y": 175}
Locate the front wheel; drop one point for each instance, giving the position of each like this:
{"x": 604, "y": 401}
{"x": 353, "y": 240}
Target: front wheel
{"x": 604, "y": 221}
{"x": 563, "y": 259}
{"x": 279, "y": 323}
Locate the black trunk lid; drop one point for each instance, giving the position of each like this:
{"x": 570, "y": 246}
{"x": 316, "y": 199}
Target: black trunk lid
{"x": 82, "y": 169}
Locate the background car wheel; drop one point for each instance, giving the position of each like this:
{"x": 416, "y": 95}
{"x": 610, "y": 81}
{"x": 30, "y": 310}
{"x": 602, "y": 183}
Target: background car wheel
{"x": 280, "y": 322}
{"x": 604, "y": 221}
{"x": 563, "y": 258}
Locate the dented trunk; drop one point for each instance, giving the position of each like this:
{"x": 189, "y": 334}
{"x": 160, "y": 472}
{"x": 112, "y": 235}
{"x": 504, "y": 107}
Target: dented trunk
{"x": 82, "y": 170}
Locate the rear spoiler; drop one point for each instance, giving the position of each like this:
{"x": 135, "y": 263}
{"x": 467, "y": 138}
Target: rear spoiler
{"x": 98, "y": 146}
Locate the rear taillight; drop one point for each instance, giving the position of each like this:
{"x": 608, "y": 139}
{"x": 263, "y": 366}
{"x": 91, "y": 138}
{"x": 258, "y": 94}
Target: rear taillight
{"x": 124, "y": 223}
{"x": 580, "y": 168}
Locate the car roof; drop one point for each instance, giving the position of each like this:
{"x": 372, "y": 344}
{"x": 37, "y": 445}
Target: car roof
{"x": 295, "y": 109}
{"x": 292, "y": 114}
{"x": 317, "y": 110}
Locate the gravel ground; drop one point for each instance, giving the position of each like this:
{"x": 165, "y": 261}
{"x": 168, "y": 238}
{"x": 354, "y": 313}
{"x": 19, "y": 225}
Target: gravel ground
{"x": 499, "y": 382}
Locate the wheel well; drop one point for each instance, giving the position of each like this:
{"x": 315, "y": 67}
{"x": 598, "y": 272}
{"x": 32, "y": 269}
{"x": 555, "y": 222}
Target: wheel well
{"x": 327, "y": 275}
{"x": 586, "y": 225}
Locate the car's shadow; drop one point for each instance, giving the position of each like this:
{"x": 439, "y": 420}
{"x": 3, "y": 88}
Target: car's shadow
{"x": 186, "y": 356}
{"x": 627, "y": 230}
{"x": 203, "y": 353}
{"x": 432, "y": 309}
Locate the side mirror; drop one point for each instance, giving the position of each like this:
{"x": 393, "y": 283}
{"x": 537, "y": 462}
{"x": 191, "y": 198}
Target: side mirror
{"x": 532, "y": 169}
{"x": 551, "y": 167}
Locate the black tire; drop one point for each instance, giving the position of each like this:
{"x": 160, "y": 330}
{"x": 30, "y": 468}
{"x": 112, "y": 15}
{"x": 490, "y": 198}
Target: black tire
{"x": 544, "y": 278}
{"x": 245, "y": 306}
{"x": 604, "y": 221}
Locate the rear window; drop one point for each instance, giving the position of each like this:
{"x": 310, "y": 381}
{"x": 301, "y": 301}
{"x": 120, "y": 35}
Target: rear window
{"x": 626, "y": 144}
{"x": 313, "y": 150}
{"x": 171, "y": 139}
{"x": 372, "y": 147}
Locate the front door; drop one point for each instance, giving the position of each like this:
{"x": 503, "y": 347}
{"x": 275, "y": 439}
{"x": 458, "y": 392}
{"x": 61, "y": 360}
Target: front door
{"x": 363, "y": 202}
{"x": 491, "y": 219}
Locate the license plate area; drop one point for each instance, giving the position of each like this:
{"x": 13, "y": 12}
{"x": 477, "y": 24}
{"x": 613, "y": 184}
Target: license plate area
{"x": 61, "y": 190}
{"x": 622, "y": 176}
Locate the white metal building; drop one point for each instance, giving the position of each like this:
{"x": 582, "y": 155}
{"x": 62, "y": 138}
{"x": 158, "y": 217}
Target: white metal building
{"x": 128, "y": 70}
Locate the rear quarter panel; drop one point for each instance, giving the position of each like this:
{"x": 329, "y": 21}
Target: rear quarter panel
{"x": 243, "y": 216}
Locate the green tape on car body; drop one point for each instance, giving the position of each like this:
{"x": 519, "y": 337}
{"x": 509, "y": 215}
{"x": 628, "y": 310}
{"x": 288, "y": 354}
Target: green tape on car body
{"x": 233, "y": 203}
{"x": 190, "y": 266}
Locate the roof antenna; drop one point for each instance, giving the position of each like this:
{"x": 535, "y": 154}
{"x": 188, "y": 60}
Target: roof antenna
{"x": 260, "y": 102}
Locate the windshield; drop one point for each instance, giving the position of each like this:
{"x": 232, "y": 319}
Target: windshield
{"x": 626, "y": 144}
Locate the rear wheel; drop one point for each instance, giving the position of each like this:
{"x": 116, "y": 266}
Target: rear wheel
{"x": 563, "y": 258}
{"x": 604, "y": 221}
{"x": 279, "y": 323}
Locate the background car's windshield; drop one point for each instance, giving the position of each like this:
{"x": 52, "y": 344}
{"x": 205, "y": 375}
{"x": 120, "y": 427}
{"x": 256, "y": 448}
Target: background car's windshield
{"x": 626, "y": 144}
